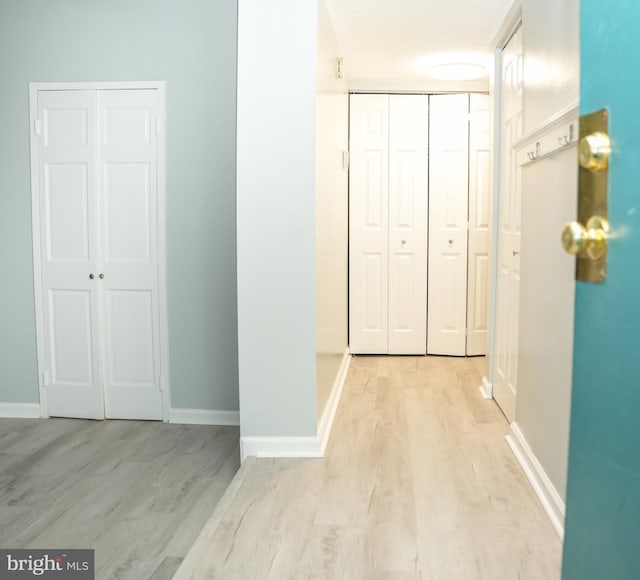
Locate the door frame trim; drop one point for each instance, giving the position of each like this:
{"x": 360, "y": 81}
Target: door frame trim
{"x": 160, "y": 86}
{"x": 509, "y": 26}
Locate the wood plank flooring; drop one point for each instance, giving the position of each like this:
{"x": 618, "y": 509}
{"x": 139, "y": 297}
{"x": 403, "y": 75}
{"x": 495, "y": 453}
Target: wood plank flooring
{"x": 137, "y": 492}
{"x": 417, "y": 483}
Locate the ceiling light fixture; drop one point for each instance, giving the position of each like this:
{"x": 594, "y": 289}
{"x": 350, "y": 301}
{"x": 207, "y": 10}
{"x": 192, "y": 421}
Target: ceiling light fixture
{"x": 458, "y": 71}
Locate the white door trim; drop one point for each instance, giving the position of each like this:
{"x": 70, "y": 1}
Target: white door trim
{"x": 160, "y": 86}
{"x": 509, "y": 26}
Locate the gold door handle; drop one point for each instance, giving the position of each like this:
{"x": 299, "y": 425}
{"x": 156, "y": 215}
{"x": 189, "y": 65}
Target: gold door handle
{"x": 586, "y": 242}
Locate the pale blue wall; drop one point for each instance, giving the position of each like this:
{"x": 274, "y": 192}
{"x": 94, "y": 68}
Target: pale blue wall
{"x": 276, "y": 216}
{"x": 192, "y": 45}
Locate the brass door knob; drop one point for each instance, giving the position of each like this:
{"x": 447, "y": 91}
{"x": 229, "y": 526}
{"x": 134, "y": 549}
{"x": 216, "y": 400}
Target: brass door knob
{"x": 589, "y": 241}
{"x": 594, "y": 151}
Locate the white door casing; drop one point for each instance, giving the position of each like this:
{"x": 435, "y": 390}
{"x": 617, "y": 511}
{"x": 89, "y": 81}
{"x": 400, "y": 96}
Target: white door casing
{"x": 368, "y": 224}
{"x": 98, "y": 251}
{"x": 479, "y": 217}
{"x": 509, "y": 228}
{"x": 408, "y": 201}
{"x": 448, "y": 214}
{"x": 388, "y": 219}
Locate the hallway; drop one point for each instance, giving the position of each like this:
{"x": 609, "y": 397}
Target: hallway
{"x": 417, "y": 483}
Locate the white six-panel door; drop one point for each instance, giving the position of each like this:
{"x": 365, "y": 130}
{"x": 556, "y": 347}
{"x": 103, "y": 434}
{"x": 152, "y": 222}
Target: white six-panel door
{"x": 509, "y": 228}
{"x": 408, "y": 193}
{"x": 369, "y": 224}
{"x": 387, "y": 216}
{"x": 448, "y": 211}
{"x": 128, "y": 252}
{"x": 67, "y": 185}
{"x": 479, "y": 213}
{"x": 98, "y": 193}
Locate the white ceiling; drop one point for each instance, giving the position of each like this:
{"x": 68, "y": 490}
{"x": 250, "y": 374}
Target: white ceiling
{"x": 394, "y": 43}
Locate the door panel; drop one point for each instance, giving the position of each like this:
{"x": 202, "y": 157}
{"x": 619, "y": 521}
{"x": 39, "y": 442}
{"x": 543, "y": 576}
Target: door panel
{"x": 71, "y": 337}
{"x": 373, "y": 289}
{"x": 368, "y": 224}
{"x": 603, "y": 491}
{"x": 509, "y": 229}
{"x": 127, "y": 193}
{"x": 479, "y": 240}
{"x": 127, "y": 220}
{"x": 66, "y": 207}
{"x": 130, "y": 324}
{"x": 408, "y": 185}
{"x": 448, "y": 213}
{"x": 66, "y": 188}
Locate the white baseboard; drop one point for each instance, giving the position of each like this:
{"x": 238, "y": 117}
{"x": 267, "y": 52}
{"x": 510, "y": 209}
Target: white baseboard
{"x": 542, "y": 486}
{"x": 280, "y": 447}
{"x": 204, "y": 417}
{"x": 486, "y": 389}
{"x": 20, "y": 410}
{"x": 330, "y": 409}
{"x": 313, "y": 446}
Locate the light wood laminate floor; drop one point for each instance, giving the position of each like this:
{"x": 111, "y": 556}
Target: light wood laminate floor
{"x": 137, "y": 492}
{"x": 417, "y": 483}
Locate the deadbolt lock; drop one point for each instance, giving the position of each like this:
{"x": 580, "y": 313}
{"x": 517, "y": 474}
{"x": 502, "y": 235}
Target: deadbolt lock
{"x": 594, "y": 151}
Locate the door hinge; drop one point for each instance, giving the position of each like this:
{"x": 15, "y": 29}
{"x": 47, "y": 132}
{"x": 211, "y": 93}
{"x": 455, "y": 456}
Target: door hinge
{"x": 36, "y": 127}
{"x": 345, "y": 160}
{"x": 162, "y": 383}
{"x": 46, "y": 380}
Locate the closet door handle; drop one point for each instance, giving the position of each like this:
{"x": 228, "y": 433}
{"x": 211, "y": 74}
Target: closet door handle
{"x": 101, "y": 276}
{"x": 91, "y": 276}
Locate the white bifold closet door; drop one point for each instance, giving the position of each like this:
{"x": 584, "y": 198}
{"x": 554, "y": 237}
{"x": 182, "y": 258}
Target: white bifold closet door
{"x": 448, "y": 214}
{"x": 388, "y": 183}
{"x": 97, "y": 166}
{"x": 459, "y": 198}
{"x": 479, "y": 222}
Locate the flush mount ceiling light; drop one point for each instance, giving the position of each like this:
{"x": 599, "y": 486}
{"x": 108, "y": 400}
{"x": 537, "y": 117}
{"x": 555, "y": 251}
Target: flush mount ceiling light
{"x": 458, "y": 71}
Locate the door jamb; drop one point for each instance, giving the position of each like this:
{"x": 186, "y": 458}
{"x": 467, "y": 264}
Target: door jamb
{"x": 510, "y": 24}
{"x": 160, "y": 86}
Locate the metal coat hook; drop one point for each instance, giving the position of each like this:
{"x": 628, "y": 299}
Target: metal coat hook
{"x": 533, "y": 155}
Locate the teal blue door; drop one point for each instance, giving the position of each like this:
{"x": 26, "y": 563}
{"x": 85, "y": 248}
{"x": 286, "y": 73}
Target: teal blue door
{"x": 602, "y": 529}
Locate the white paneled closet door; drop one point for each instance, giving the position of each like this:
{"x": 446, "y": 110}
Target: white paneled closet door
{"x": 128, "y": 252}
{"x": 67, "y": 185}
{"x": 448, "y": 213}
{"x": 98, "y": 193}
{"x": 369, "y": 224}
{"x": 388, "y": 207}
{"x": 408, "y": 193}
{"x": 479, "y": 213}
